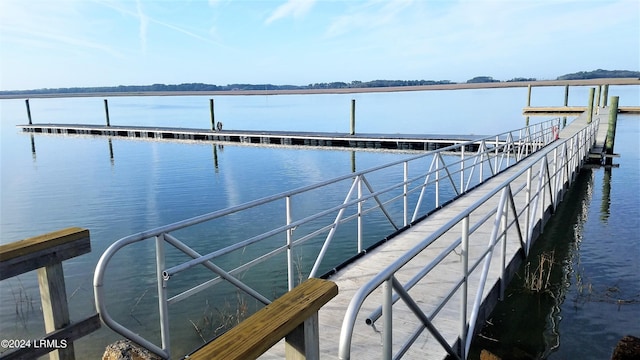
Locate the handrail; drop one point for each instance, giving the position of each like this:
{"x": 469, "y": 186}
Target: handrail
{"x": 495, "y": 153}
{"x": 573, "y": 152}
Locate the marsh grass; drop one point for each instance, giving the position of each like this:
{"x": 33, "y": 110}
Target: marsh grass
{"x": 538, "y": 280}
{"x": 24, "y": 302}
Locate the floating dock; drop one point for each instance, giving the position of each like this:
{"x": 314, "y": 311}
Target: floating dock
{"x": 291, "y": 138}
{"x": 571, "y": 110}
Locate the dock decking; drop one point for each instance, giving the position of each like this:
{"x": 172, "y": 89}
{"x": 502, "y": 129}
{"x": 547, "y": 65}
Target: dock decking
{"x": 286, "y": 138}
{"x": 367, "y": 340}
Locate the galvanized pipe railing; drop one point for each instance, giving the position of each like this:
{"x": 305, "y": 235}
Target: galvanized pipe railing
{"x": 495, "y": 152}
{"x": 520, "y": 204}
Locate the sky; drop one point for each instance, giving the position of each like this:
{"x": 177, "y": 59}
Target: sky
{"x": 85, "y": 43}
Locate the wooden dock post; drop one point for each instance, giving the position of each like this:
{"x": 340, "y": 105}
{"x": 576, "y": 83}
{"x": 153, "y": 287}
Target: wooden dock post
{"x": 106, "y": 111}
{"x": 528, "y": 95}
{"x": 611, "y": 131}
{"x": 566, "y": 95}
{"x": 590, "y": 106}
{"x": 26, "y": 101}
{"x": 598, "y": 92}
{"x": 213, "y": 117}
{"x": 353, "y": 117}
{"x": 605, "y": 94}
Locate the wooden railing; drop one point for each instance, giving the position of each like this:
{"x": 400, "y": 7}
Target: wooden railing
{"x": 46, "y": 254}
{"x": 293, "y": 316}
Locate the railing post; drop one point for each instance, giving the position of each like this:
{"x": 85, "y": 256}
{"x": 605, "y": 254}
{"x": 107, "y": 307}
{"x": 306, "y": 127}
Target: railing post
{"x": 462, "y": 169}
{"x": 290, "y": 267}
{"x": 527, "y": 196}
{"x": 465, "y": 287}
{"x": 503, "y": 250}
{"x": 360, "y": 222}
{"x": 387, "y": 305}
{"x": 54, "y": 305}
{"x": 437, "y": 173}
{"x": 162, "y": 295}
{"x": 405, "y": 193}
{"x": 303, "y": 343}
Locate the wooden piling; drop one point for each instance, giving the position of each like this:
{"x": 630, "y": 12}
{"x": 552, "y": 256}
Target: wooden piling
{"x": 598, "y": 92}
{"x": 213, "y": 117}
{"x": 611, "y": 131}
{"x": 605, "y": 94}
{"x": 106, "y": 111}
{"x": 528, "y": 95}
{"x": 28, "y": 111}
{"x": 566, "y": 95}
{"x": 590, "y": 107}
{"x": 353, "y": 117}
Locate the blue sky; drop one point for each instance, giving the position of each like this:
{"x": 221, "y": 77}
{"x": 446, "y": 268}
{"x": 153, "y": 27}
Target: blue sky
{"x": 66, "y": 43}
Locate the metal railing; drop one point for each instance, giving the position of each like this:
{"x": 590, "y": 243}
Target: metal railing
{"x": 518, "y": 215}
{"x": 417, "y": 191}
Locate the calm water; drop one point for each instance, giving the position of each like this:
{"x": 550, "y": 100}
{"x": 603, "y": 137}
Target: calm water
{"x": 74, "y": 181}
{"x": 592, "y": 298}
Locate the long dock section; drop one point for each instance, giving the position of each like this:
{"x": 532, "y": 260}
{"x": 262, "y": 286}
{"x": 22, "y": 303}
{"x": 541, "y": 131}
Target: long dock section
{"x": 290, "y": 138}
{"x": 442, "y": 256}
{"x": 571, "y": 110}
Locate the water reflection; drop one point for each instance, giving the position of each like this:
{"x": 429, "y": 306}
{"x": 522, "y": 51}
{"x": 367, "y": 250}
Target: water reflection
{"x": 606, "y": 196}
{"x": 527, "y": 324}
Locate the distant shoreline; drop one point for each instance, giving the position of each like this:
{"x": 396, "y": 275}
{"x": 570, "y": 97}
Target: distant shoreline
{"x": 461, "y": 86}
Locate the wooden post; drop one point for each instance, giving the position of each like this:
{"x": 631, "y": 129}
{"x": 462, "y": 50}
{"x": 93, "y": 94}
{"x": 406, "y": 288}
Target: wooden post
{"x": 566, "y": 95}
{"x": 605, "y": 94}
{"x": 213, "y": 117}
{"x": 106, "y": 111}
{"x": 53, "y": 295}
{"x": 526, "y": 121}
{"x": 598, "y": 91}
{"x": 353, "y": 117}
{"x": 611, "y": 131}
{"x": 528, "y": 95}
{"x": 590, "y": 106}
{"x": 302, "y": 343}
{"x": 28, "y": 111}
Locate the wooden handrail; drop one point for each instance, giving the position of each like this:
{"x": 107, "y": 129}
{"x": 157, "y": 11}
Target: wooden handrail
{"x": 286, "y": 316}
{"x": 46, "y": 253}
{"x": 33, "y": 253}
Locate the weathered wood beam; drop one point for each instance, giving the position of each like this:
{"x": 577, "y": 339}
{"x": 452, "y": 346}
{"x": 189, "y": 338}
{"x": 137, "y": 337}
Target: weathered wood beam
{"x": 40, "y": 251}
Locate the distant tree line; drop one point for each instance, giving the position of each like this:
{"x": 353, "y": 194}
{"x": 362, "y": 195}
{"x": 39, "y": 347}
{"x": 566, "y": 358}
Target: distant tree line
{"x": 330, "y": 85}
{"x": 600, "y": 74}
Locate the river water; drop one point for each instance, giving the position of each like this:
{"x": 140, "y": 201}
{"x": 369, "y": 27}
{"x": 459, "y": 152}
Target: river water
{"x": 119, "y": 187}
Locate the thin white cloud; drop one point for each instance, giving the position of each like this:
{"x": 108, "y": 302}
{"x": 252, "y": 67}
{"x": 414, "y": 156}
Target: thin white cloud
{"x": 294, "y": 8}
{"x": 144, "y": 23}
{"x": 145, "y": 20}
{"x": 48, "y": 25}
